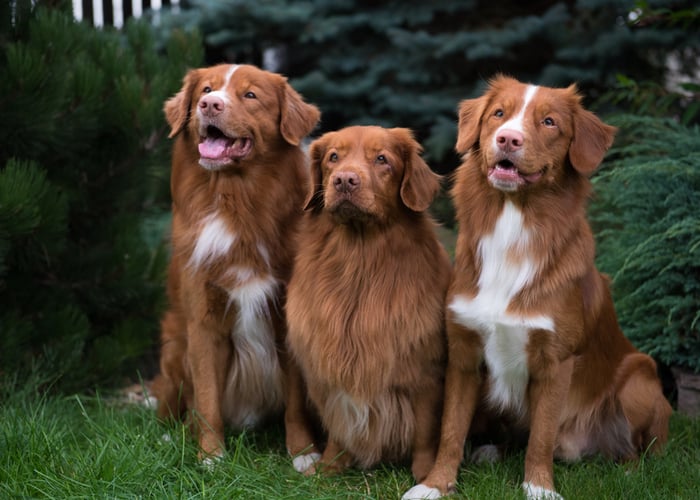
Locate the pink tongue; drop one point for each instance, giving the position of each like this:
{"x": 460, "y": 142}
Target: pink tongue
{"x": 213, "y": 148}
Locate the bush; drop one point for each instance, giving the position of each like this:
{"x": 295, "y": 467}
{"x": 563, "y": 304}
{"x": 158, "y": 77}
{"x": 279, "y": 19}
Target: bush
{"x": 646, "y": 214}
{"x": 83, "y": 192}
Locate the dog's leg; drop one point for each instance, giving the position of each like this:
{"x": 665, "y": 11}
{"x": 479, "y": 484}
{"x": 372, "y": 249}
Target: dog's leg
{"x": 169, "y": 386}
{"x": 643, "y": 403}
{"x": 462, "y": 384}
{"x": 426, "y": 408}
{"x": 299, "y": 438}
{"x": 208, "y": 354}
{"x": 334, "y": 460}
{"x": 548, "y": 392}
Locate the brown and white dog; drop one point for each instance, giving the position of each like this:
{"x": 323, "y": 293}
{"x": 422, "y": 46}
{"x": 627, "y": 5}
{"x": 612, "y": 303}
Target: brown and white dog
{"x": 531, "y": 325}
{"x": 366, "y": 300}
{"x": 238, "y": 185}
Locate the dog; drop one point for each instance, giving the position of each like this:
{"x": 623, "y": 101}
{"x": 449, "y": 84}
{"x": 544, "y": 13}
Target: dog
{"x": 366, "y": 300}
{"x": 531, "y": 324}
{"x": 238, "y": 183}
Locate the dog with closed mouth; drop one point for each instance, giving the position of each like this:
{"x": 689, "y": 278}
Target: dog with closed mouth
{"x": 238, "y": 184}
{"x": 531, "y": 324}
{"x": 366, "y": 299}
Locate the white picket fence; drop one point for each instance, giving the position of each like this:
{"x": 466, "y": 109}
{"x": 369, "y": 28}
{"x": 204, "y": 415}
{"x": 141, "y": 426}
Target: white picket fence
{"x": 115, "y": 12}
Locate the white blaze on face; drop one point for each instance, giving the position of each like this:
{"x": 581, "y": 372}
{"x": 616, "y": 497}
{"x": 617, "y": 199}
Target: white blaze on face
{"x": 517, "y": 122}
{"x": 221, "y": 92}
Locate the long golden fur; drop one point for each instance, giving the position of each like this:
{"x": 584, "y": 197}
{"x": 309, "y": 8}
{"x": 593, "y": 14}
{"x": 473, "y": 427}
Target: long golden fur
{"x": 366, "y": 299}
{"x": 238, "y": 184}
{"x": 531, "y": 325}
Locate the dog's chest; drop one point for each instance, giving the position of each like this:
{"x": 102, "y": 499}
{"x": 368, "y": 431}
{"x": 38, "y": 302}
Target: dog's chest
{"x": 506, "y": 268}
{"x": 242, "y": 272}
{"x": 217, "y": 242}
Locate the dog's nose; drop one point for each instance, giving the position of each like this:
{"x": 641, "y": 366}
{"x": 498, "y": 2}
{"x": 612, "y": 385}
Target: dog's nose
{"x": 211, "y": 105}
{"x": 346, "y": 182}
{"x": 509, "y": 140}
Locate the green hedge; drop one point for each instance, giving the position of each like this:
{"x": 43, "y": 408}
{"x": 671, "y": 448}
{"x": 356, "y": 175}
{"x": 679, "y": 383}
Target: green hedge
{"x": 84, "y": 198}
{"x": 646, "y": 214}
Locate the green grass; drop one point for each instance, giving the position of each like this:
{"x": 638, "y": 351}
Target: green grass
{"x": 95, "y": 447}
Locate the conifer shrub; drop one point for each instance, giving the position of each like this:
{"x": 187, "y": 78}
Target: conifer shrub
{"x": 646, "y": 215}
{"x": 84, "y": 196}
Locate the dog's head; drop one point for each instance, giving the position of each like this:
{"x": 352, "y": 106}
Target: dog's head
{"x": 233, "y": 113}
{"x": 530, "y": 136}
{"x": 369, "y": 174}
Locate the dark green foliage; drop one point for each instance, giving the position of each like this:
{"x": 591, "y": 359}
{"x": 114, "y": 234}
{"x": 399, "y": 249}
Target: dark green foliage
{"x": 646, "y": 213}
{"x": 84, "y": 195}
{"x": 408, "y": 63}
{"x": 654, "y": 99}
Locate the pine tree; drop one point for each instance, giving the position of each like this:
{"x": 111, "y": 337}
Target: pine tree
{"x": 83, "y": 192}
{"x": 646, "y": 216}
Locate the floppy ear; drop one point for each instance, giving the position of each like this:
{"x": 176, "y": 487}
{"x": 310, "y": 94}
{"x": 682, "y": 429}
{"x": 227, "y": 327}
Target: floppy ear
{"x": 177, "y": 108}
{"x": 419, "y": 184}
{"x": 592, "y": 139}
{"x": 314, "y": 197}
{"x": 297, "y": 118}
{"x": 469, "y": 126}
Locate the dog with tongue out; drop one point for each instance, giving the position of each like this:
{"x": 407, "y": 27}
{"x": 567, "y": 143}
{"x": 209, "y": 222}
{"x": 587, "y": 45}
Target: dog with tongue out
{"x": 217, "y": 149}
{"x": 238, "y": 182}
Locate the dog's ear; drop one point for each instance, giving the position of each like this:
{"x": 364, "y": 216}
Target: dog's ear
{"x": 469, "y": 125}
{"x": 297, "y": 118}
{"x": 419, "y": 184}
{"x": 314, "y": 197}
{"x": 592, "y": 139}
{"x": 177, "y": 108}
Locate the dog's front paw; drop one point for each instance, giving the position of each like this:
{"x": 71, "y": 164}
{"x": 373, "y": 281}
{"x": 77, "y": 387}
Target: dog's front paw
{"x": 209, "y": 462}
{"x": 420, "y": 492}
{"x": 304, "y": 463}
{"x": 534, "y": 492}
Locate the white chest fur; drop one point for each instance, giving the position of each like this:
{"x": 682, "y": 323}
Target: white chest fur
{"x": 214, "y": 241}
{"x": 506, "y": 268}
{"x": 254, "y": 383}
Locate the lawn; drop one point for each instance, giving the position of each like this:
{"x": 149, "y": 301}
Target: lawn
{"x": 100, "y": 447}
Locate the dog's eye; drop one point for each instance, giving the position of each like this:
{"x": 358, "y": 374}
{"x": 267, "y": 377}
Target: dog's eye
{"x": 498, "y": 113}
{"x": 250, "y": 95}
{"x": 548, "y": 122}
{"x": 206, "y": 89}
{"x": 333, "y": 157}
{"x": 381, "y": 159}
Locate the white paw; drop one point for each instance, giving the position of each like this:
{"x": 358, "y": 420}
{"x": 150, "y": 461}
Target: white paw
{"x": 421, "y": 492}
{"x": 150, "y": 402}
{"x": 533, "y": 492}
{"x": 487, "y": 454}
{"x": 210, "y": 461}
{"x": 303, "y": 462}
